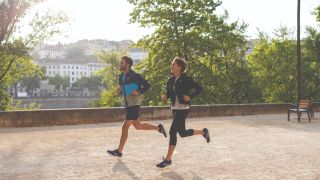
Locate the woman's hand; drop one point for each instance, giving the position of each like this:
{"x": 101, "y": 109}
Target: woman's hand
{"x": 186, "y": 98}
{"x": 164, "y": 97}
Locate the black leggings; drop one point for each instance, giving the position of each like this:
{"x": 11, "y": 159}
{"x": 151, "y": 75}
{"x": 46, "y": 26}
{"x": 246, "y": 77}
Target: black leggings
{"x": 179, "y": 126}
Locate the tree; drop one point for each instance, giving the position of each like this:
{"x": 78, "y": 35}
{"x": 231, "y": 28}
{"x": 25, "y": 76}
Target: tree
{"x": 317, "y": 13}
{"x": 60, "y": 82}
{"x": 272, "y": 65}
{"x": 191, "y": 30}
{"x": 311, "y": 64}
{"x": 16, "y": 62}
{"x": 33, "y": 81}
{"x": 93, "y": 83}
{"x": 108, "y": 97}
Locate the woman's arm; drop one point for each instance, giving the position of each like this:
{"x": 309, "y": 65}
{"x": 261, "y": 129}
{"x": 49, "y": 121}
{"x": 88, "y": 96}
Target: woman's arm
{"x": 196, "y": 86}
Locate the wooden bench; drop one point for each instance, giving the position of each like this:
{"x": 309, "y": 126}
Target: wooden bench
{"x": 303, "y": 106}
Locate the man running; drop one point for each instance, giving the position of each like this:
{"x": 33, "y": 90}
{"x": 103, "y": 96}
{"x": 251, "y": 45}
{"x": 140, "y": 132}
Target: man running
{"x": 131, "y": 86}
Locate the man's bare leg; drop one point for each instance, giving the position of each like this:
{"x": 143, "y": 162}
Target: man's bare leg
{"x": 124, "y": 134}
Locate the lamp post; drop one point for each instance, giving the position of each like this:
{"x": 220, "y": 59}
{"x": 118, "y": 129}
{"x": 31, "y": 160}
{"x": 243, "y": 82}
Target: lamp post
{"x": 298, "y": 54}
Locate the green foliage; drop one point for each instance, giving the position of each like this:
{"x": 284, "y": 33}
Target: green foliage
{"x": 111, "y": 70}
{"x": 213, "y": 49}
{"x": 33, "y": 81}
{"x": 60, "y": 82}
{"x": 273, "y": 64}
{"x": 93, "y": 83}
{"x": 16, "y": 64}
{"x": 215, "y": 52}
{"x": 109, "y": 74}
{"x": 317, "y": 13}
{"x": 108, "y": 98}
{"x": 311, "y": 64}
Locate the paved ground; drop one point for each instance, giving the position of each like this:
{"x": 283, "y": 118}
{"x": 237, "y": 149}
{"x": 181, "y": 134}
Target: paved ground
{"x": 246, "y": 147}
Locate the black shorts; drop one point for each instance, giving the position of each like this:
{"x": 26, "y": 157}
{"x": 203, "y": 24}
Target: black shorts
{"x": 132, "y": 112}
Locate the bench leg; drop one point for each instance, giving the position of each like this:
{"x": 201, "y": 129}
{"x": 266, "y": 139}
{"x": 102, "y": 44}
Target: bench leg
{"x": 308, "y": 115}
{"x": 288, "y": 115}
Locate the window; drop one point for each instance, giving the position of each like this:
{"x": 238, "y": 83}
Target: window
{"x": 72, "y": 73}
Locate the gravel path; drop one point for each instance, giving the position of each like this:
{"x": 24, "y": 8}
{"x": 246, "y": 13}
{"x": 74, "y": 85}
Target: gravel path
{"x": 243, "y": 147}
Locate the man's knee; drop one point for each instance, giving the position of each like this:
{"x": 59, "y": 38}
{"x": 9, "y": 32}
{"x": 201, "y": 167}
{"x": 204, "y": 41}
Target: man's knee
{"x": 126, "y": 126}
{"x": 137, "y": 125}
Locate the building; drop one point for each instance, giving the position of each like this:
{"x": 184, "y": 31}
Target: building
{"x": 43, "y": 51}
{"x": 75, "y": 69}
{"x": 138, "y": 54}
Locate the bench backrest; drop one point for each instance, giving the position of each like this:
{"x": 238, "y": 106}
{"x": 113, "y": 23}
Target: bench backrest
{"x": 304, "y": 104}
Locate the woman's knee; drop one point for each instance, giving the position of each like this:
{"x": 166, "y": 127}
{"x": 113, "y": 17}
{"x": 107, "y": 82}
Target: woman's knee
{"x": 182, "y": 134}
{"x": 173, "y": 140}
{"x": 173, "y": 132}
{"x": 185, "y": 133}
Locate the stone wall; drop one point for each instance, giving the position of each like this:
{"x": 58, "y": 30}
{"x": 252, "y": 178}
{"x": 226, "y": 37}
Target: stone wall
{"x": 103, "y": 115}
{"x": 57, "y": 102}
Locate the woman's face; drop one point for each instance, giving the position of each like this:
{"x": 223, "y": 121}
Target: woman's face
{"x": 175, "y": 68}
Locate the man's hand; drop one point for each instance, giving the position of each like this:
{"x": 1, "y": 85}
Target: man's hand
{"x": 186, "y": 98}
{"x": 164, "y": 97}
{"x": 135, "y": 93}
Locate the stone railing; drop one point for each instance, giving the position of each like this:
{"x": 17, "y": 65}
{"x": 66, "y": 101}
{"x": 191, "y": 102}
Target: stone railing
{"x": 103, "y": 115}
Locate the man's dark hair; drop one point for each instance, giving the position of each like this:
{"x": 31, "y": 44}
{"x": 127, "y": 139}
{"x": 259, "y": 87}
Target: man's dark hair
{"x": 181, "y": 63}
{"x": 128, "y": 60}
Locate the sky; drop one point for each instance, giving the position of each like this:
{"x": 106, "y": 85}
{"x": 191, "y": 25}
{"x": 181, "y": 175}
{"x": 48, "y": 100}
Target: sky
{"x": 109, "y": 19}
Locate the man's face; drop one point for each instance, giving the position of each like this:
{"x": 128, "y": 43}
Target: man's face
{"x": 123, "y": 66}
